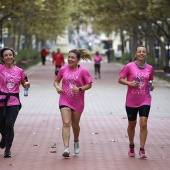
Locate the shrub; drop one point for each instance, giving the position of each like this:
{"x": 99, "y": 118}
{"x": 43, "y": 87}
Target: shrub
{"x": 26, "y": 58}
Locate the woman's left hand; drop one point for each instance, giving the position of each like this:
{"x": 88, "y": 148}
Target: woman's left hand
{"x": 75, "y": 89}
{"x": 26, "y": 85}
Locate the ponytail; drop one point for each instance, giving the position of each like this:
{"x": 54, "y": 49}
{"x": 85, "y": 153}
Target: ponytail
{"x": 81, "y": 54}
{"x": 134, "y": 58}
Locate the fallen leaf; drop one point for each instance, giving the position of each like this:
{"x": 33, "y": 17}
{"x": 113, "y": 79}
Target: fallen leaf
{"x": 163, "y": 157}
{"x": 54, "y": 145}
{"x": 57, "y": 128}
{"x": 35, "y": 145}
{"x": 95, "y": 133}
{"x": 113, "y": 140}
{"x": 11, "y": 165}
{"x": 53, "y": 151}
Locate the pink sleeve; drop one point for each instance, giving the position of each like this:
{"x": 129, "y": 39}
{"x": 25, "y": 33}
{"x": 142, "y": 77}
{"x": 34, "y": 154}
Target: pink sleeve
{"x": 123, "y": 73}
{"x": 87, "y": 77}
{"x": 152, "y": 74}
{"x": 60, "y": 73}
{"x": 22, "y": 75}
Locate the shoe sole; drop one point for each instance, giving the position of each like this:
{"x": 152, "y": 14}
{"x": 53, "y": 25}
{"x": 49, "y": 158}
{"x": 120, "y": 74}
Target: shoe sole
{"x": 2, "y": 147}
{"x": 131, "y": 155}
{"x": 76, "y": 153}
{"x": 143, "y": 157}
{"x": 66, "y": 155}
{"x": 7, "y": 156}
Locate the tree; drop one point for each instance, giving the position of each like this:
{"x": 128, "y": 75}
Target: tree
{"x": 39, "y": 18}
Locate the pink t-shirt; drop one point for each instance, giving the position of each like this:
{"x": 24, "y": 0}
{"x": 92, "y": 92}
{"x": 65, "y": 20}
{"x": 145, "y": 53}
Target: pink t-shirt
{"x": 137, "y": 96}
{"x": 10, "y": 80}
{"x": 97, "y": 59}
{"x": 71, "y": 78}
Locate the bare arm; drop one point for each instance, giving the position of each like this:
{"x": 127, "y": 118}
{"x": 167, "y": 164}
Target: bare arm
{"x": 56, "y": 85}
{"x": 128, "y": 83}
{"x": 85, "y": 87}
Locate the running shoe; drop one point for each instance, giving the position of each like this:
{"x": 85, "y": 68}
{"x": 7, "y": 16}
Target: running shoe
{"x": 76, "y": 148}
{"x": 7, "y": 153}
{"x": 142, "y": 153}
{"x": 66, "y": 152}
{"x": 131, "y": 151}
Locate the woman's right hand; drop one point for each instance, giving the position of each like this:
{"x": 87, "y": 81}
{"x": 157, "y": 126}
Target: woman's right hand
{"x": 59, "y": 90}
{"x": 129, "y": 83}
{"x": 133, "y": 83}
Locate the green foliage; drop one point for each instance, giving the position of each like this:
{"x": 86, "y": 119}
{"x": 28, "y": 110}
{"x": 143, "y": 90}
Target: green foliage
{"x": 163, "y": 76}
{"x": 45, "y": 19}
{"x": 26, "y": 58}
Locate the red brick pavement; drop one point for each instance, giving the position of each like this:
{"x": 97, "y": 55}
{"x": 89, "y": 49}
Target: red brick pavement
{"x": 103, "y": 137}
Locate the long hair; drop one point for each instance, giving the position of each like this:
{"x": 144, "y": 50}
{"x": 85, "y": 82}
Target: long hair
{"x": 81, "y": 54}
{"x": 136, "y": 51}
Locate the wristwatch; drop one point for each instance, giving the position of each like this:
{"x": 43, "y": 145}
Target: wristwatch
{"x": 80, "y": 89}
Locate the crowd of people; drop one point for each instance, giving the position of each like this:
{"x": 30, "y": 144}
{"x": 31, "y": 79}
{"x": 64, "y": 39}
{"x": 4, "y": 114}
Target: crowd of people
{"x": 71, "y": 82}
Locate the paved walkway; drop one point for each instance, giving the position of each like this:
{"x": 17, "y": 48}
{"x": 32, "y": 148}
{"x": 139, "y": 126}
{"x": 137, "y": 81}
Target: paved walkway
{"x": 103, "y": 137}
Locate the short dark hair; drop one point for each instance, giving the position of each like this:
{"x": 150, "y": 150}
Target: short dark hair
{"x": 4, "y": 49}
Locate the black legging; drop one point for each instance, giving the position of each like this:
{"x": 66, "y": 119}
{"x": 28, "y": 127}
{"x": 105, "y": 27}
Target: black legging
{"x": 43, "y": 59}
{"x": 97, "y": 68}
{"x": 7, "y": 124}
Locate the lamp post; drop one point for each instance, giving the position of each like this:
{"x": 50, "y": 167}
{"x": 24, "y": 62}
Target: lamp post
{"x": 1, "y": 35}
{"x": 139, "y": 36}
{"x": 168, "y": 53}
{"x": 157, "y": 54}
{"x": 168, "y": 46}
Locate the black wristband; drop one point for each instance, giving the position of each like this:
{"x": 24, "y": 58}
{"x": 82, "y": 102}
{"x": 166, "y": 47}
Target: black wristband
{"x": 80, "y": 89}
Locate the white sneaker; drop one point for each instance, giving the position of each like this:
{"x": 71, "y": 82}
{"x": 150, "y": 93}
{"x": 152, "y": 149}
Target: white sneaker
{"x": 66, "y": 152}
{"x": 76, "y": 148}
